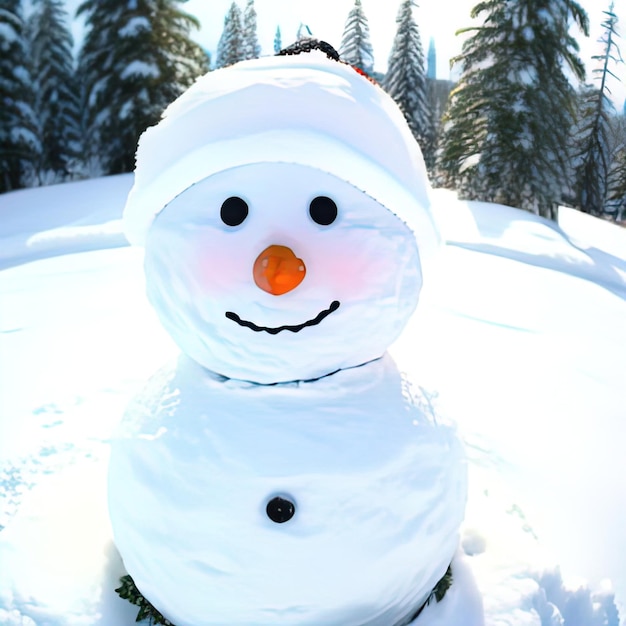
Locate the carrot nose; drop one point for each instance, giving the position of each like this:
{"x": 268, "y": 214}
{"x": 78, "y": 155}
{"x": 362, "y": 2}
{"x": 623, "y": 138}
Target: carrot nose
{"x": 278, "y": 270}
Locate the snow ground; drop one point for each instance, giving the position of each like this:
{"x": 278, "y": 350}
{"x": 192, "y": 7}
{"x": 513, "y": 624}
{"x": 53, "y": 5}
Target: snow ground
{"x": 522, "y": 336}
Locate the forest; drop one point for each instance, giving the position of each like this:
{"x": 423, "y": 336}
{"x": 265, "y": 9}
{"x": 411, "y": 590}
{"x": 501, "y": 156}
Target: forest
{"x": 525, "y": 125}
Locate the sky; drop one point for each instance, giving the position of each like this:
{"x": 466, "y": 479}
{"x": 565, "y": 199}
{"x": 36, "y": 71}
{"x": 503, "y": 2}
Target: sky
{"x": 436, "y": 18}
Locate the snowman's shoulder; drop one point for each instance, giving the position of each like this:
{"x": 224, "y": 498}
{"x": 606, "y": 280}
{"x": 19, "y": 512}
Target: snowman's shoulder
{"x": 421, "y": 402}
{"x": 166, "y": 397}
{"x": 150, "y": 403}
{"x": 418, "y": 396}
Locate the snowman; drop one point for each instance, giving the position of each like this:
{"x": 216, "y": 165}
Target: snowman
{"x": 283, "y": 471}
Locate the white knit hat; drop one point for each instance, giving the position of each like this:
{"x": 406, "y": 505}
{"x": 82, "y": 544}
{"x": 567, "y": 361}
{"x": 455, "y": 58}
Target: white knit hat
{"x": 305, "y": 109}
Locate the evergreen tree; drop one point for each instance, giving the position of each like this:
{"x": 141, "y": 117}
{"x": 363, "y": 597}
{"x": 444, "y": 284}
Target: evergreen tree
{"x": 431, "y": 65}
{"x": 405, "y": 80}
{"x": 251, "y": 47}
{"x": 278, "y": 41}
{"x": 56, "y": 101}
{"x": 505, "y": 136}
{"x": 303, "y": 32}
{"x": 230, "y": 46}
{"x": 19, "y": 147}
{"x": 594, "y": 149}
{"x": 617, "y": 173}
{"x": 136, "y": 58}
{"x": 356, "y": 47}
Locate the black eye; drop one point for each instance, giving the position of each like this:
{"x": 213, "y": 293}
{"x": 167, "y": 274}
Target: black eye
{"x": 323, "y": 210}
{"x": 280, "y": 510}
{"x": 234, "y": 211}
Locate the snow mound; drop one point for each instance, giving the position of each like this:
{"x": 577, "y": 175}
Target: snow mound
{"x": 61, "y": 219}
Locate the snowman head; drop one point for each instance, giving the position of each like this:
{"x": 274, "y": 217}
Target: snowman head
{"x": 283, "y": 205}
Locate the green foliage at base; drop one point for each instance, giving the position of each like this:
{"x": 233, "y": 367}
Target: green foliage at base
{"x": 128, "y": 591}
{"x": 441, "y": 588}
{"x": 437, "y": 594}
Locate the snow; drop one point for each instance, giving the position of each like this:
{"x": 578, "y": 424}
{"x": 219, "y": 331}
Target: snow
{"x": 90, "y": 219}
{"x": 521, "y": 335}
{"x": 134, "y": 26}
{"x": 21, "y": 73}
{"x": 140, "y": 68}
{"x": 7, "y": 36}
{"x": 542, "y": 308}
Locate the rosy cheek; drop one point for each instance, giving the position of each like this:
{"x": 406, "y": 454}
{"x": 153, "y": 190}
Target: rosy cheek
{"x": 355, "y": 274}
{"x": 348, "y": 275}
{"x": 218, "y": 269}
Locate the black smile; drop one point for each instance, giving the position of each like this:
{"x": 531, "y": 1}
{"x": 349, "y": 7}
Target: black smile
{"x": 294, "y": 329}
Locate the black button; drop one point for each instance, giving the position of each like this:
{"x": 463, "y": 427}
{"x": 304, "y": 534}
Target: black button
{"x": 280, "y": 510}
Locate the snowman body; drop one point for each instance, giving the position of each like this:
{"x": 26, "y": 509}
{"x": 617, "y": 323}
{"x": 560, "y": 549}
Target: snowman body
{"x": 283, "y": 255}
{"x": 378, "y": 489}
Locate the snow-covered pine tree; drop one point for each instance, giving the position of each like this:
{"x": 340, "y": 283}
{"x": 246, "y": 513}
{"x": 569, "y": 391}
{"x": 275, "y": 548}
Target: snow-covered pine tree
{"x": 593, "y": 145}
{"x": 278, "y": 41}
{"x": 56, "y": 99}
{"x": 506, "y": 130}
{"x": 230, "y": 46}
{"x": 356, "y": 47}
{"x": 303, "y": 32}
{"x": 19, "y": 146}
{"x": 251, "y": 47}
{"x": 137, "y": 56}
{"x": 405, "y": 80}
{"x": 617, "y": 174}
